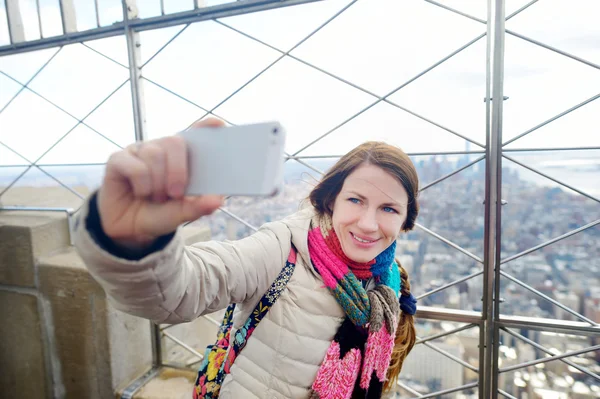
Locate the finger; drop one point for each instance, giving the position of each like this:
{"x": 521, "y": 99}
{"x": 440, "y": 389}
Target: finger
{"x": 208, "y": 122}
{"x": 158, "y": 219}
{"x": 193, "y": 208}
{"x": 153, "y": 155}
{"x": 175, "y": 150}
{"x": 125, "y": 169}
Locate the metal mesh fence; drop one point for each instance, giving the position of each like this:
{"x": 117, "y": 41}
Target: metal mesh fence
{"x": 485, "y": 98}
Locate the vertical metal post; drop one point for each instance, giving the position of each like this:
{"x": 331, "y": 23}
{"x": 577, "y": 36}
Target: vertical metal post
{"x": 39, "y": 18}
{"x": 489, "y": 382}
{"x": 96, "y": 8}
{"x": 487, "y": 280}
{"x": 155, "y": 336}
{"x": 139, "y": 121}
{"x": 68, "y": 16}
{"x": 16, "y": 31}
{"x": 135, "y": 71}
{"x": 481, "y": 375}
{"x": 496, "y": 147}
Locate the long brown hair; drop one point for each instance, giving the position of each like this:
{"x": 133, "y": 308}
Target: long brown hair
{"x": 394, "y": 161}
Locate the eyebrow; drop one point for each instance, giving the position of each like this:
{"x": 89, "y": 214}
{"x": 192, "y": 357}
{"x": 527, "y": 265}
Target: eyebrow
{"x": 362, "y": 197}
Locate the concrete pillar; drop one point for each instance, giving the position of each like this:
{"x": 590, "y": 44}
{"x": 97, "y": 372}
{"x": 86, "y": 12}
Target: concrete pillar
{"x": 96, "y": 348}
{"x": 60, "y": 337}
{"x": 24, "y": 361}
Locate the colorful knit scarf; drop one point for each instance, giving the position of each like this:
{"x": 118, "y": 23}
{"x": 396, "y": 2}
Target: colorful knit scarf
{"x": 357, "y": 360}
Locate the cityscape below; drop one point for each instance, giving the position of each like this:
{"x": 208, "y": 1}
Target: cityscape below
{"x": 567, "y": 271}
{"x": 82, "y": 79}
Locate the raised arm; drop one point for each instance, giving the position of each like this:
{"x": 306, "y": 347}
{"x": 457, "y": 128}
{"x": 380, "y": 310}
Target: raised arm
{"x": 126, "y": 235}
{"x": 173, "y": 283}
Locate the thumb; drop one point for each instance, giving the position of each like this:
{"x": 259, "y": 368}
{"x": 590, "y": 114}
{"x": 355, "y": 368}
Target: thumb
{"x": 158, "y": 219}
{"x": 208, "y": 122}
{"x": 194, "y": 207}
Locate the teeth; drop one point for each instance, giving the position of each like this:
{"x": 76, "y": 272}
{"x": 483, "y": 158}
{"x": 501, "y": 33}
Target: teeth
{"x": 360, "y": 239}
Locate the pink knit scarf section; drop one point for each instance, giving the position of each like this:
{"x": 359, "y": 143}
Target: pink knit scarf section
{"x": 337, "y": 377}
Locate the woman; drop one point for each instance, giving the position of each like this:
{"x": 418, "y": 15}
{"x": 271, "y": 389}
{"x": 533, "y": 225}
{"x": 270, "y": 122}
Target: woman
{"x": 343, "y": 322}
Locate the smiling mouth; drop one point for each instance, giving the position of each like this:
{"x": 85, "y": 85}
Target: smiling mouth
{"x": 362, "y": 240}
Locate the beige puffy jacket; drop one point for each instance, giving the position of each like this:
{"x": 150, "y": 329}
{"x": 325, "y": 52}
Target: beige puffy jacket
{"x": 181, "y": 283}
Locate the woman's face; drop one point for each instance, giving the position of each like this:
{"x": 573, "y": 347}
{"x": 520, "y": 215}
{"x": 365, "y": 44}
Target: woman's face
{"x": 369, "y": 212}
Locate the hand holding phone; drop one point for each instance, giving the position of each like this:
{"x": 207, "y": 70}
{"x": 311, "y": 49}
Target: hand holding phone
{"x": 151, "y": 188}
{"x": 142, "y": 196}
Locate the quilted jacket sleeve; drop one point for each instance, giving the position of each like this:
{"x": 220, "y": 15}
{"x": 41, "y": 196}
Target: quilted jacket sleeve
{"x": 179, "y": 283}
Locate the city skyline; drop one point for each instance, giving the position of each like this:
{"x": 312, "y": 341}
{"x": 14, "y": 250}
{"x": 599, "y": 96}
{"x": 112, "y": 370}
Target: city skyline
{"x": 78, "y": 110}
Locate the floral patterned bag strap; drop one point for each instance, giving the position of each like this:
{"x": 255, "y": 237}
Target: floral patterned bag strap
{"x": 219, "y": 357}
{"x": 263, "y": 306}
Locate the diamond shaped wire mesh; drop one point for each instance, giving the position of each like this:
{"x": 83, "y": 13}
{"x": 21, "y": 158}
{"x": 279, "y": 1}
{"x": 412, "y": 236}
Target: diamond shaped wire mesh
{"x": 370, "y": 97}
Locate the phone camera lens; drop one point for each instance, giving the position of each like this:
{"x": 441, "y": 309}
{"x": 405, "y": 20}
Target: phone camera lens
{"x": 275, "y": 130}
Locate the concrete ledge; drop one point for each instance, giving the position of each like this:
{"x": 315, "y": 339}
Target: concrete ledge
{"x": 24, "y": 237}
{"x": 197, "y": 334}
{"x": 22, "y": 365}
{"x": 97, "y": 347}
{"x": 169, "y": 383}
{"x": 61, "y": 336}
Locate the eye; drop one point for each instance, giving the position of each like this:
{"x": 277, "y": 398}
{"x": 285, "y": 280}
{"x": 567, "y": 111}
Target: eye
{"x": 389, "y": 210}
{"x": 354, "y": 200}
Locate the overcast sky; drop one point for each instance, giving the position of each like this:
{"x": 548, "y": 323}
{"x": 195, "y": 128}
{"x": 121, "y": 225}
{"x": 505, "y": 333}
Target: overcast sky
{"x": 376, "y": 44}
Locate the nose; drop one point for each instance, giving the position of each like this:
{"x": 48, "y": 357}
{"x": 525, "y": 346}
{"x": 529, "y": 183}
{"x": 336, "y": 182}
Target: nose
{"x": 368, "y": 221}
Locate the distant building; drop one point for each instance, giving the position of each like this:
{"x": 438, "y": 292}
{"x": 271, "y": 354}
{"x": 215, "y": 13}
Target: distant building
{"x": 570, "y": 300}
{"x": 591, "y": 308}
{"x": 433, "y": 369}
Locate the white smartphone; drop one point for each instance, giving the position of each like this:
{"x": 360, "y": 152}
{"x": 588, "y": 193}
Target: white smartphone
{"x": 243, "y": 160}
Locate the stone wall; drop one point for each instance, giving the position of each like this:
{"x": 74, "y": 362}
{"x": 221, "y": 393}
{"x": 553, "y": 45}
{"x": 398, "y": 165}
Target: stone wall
{"x": 60, "y": 338}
